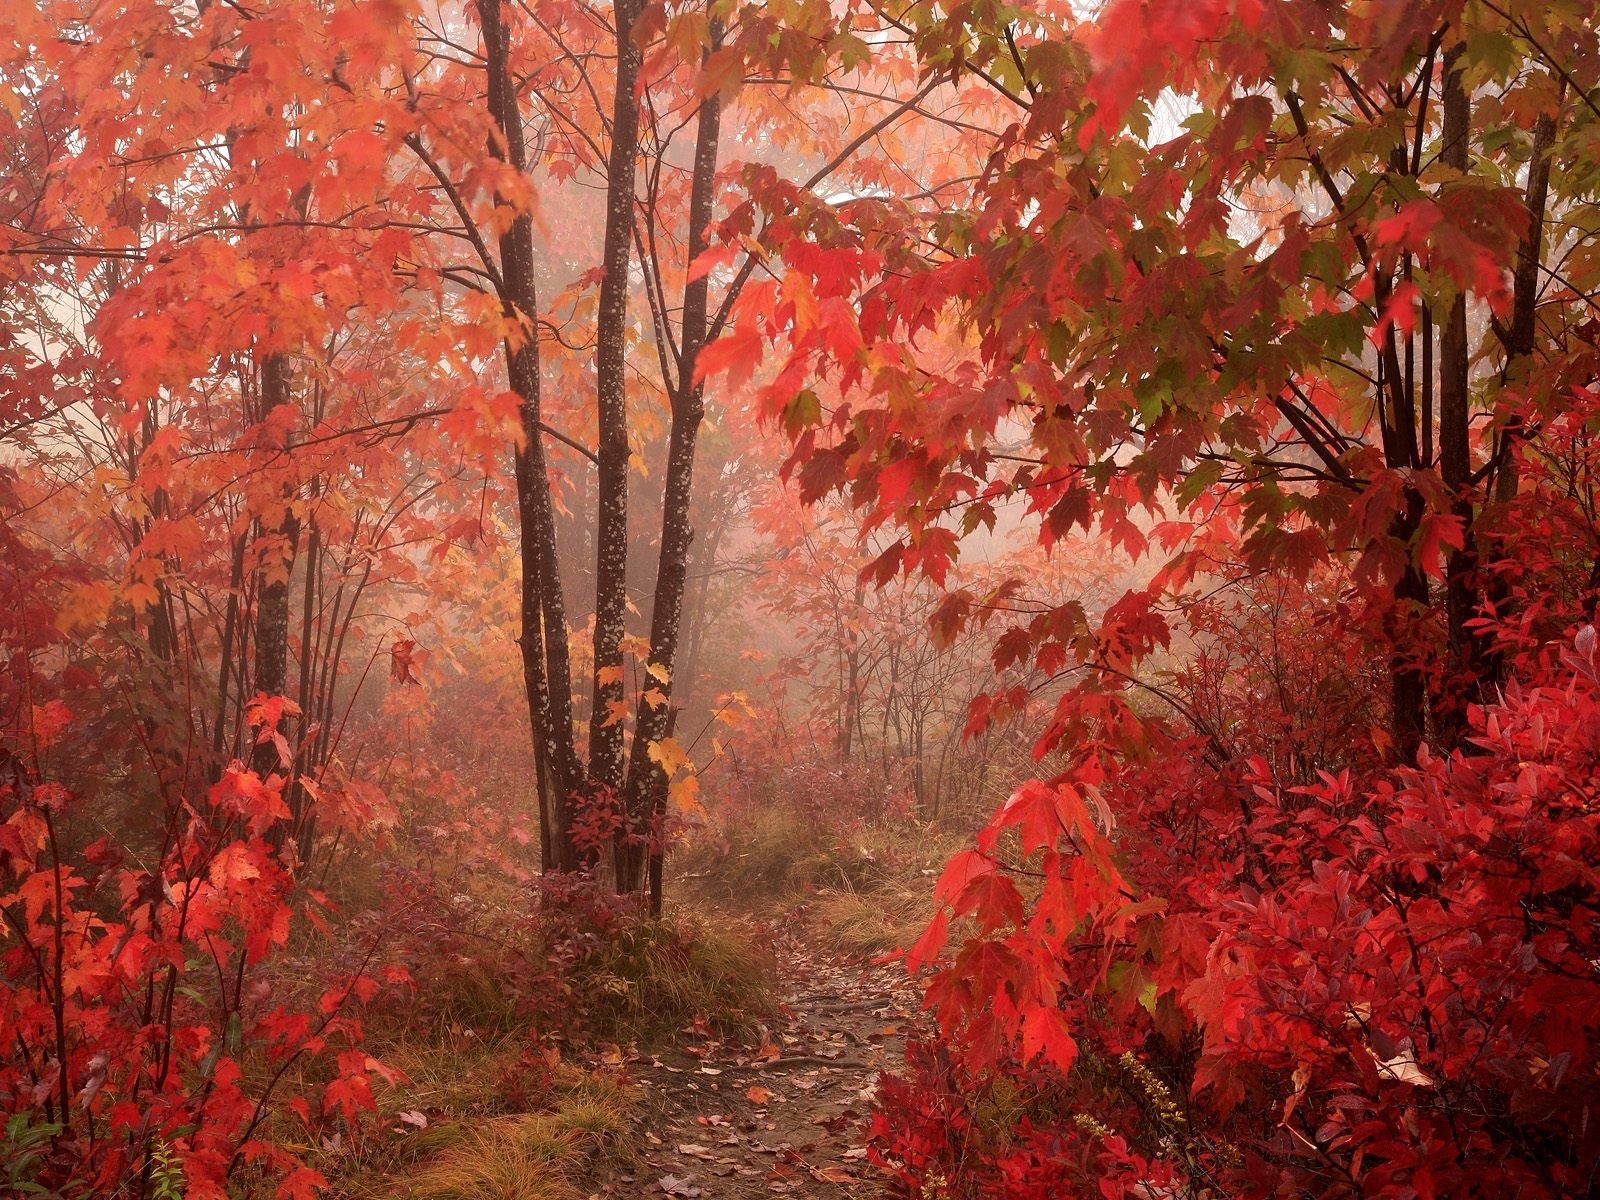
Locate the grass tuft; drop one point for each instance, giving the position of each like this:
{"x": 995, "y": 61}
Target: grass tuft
{"x": 891, "y": 918}
{"x": 528, "y": 1157}
{"x": 658, "y": 976}
{"x": 472, "y": 1148}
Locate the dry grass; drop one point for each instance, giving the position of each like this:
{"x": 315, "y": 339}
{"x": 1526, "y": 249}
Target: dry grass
{"x": 502, "y": 1128}
{"x": 530, "y": 1156}
{"x": 777, "y": 853}
{"x": 459, "y": 1074}
{"x": 473, "y": 1150}
{"x": 658, "y": 976}
{"x": 891, "y": 918}
{"x": 870, "y": 888}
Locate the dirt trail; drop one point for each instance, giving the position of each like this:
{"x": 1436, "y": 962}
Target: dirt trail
{"x": 725, "y": 1122}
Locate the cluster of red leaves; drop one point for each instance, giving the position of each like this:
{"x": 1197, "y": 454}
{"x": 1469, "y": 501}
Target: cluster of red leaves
{"x": 1237, "y": 954}
{"x": 141, "y": 1030}
{"x": 1377, "y": 983}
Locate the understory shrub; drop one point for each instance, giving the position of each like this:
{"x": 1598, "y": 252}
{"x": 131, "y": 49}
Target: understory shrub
{"x": 148, "y": 1037}
{"x": 566, "y": 957}
{"x": 1190, "y": 977}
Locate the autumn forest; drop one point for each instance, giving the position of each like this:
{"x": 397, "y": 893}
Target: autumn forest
{"x": 827, "y": 598}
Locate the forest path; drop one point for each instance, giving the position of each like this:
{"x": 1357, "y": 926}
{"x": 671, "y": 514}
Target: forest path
{"x": 789, "y": 1118}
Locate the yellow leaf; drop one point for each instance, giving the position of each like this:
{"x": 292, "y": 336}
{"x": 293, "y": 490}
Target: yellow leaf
{"x": 141, "y": 595}
{"x": 85, "y": 608}
{"x": 668, "y": 755}
{"x": 658, "y": 672}
{"x": 685, "y": 795}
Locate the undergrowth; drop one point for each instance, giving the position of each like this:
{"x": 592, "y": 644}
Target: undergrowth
{"x": 495, "y": 1122}
{"x": 510, "y": 988}
{"x": 869, "y": 883}
{"x": 654, "y": 978}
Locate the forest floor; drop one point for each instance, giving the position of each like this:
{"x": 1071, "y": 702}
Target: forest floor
{"x": 788, "y": 1116}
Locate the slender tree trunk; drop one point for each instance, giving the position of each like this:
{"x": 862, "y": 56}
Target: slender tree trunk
{"x": 547, "y": 672}
{"x": 1407, "y": 674}
{"x": 647, "y": 793}
{"x": 169, "y": 762}
{"x": 852, "y": 681}
{"x": 1521, "y": 333}
{"x": 304, "y": 763}
{"x": 1519, "y": 346}
{"x": 163, "y": 630}
{"x": 611, "y": 548}
{"x": 692, "y": 625}
{"x": 272, "y": 598}
{"x": 1462, "y": 657}
{"x": 1408, "y": 677}
{"x": 227, "y": 671}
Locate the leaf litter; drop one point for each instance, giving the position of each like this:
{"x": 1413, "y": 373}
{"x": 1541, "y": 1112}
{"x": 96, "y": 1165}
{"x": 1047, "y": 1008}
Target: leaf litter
{"x": 788, "y": 1115}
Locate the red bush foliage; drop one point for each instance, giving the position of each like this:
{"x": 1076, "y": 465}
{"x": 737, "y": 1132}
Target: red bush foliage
{"x": 143, "y": 1039}
{"x": 1381, "y": 982}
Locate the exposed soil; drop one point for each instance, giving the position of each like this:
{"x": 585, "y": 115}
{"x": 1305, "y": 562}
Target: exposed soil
{"x": 787, "y": 1118}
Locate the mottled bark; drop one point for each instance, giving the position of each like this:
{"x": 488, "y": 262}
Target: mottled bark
{"x": 547, "y": 673}
{"x": 272, "y": 596}
{"x": 611, "y": 543}
{"x": 646, "y": 796}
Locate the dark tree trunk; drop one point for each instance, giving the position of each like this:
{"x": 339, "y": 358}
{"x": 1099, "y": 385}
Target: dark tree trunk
{"x": 300, "y": 818}
{"x": 646, "y": 795}
{"x": 1519, "y": 340}
{"x": 1462, "y": 654}
{"x": 228, "y": 671}
{"x": 272, "y": 597}
{"x": 851, "y": 716}
{"x": 1408, "y": 678}
{"x": 611, "y": 547}
{"x": 547, "y": 672}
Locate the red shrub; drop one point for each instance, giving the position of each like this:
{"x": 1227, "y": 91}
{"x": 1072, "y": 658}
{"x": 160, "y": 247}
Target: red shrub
{"x": 145, "y": 1046}
{"x": 1385, "y": 983}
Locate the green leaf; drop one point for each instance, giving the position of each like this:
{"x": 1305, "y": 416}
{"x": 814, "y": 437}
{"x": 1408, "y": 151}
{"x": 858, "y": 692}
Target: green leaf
{"x": 802, "y": 412}
{"x": 1197, "y": 482}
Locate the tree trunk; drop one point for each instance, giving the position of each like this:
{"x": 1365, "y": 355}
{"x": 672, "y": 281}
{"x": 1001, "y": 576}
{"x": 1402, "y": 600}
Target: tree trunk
{"x": 611, "y": 545}
{"x": 852, "y": 681}
{"x": 1462, "y": 657}
{"x": 547, "y": 672}
{"x": 1408, "y": 681}
{"x": 1519, "y": 340}
{"x": 272, "y": 598}
{"x": 300, "y": 820}
{"x": 227, "y": 671}
{"x": 646, "y": 795}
